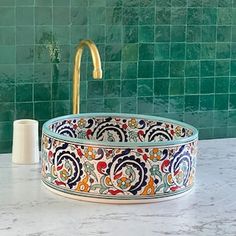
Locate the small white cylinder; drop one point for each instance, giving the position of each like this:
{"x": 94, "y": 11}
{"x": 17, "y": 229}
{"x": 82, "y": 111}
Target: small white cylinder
{"x": 25, "y": 149}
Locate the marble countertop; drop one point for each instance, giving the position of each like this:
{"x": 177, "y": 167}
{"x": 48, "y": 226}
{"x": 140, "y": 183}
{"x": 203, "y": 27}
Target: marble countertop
{"x": 28, "y": 208}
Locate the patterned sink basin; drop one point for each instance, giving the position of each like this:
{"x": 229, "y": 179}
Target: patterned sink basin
{"x": 118, "y": 158}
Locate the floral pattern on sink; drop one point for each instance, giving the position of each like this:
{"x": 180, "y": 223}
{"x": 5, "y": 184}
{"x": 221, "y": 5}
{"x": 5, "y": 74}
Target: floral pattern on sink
{"x": 119, "y": 129}
{"x": 122, "y": 173}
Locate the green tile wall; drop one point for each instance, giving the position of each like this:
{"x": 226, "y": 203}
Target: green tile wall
{"x": 173, "y": 58}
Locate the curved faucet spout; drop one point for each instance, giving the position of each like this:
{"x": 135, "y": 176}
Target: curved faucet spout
{"x": 97, "y": 71}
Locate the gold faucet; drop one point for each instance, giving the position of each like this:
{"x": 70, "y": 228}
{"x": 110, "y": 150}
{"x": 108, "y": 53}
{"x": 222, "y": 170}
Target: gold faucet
{"x": 97, "y": 71}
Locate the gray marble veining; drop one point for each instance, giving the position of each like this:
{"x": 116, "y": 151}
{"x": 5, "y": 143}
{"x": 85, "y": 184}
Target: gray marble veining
{"x": 27, "y": 208}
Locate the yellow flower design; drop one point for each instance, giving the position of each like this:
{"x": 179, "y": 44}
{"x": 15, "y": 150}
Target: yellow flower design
{"x": 155, "y": 155}
{"x": 133, "y": 123}
{"x": 89, "y": 153}
{"x": 81, "y": 123}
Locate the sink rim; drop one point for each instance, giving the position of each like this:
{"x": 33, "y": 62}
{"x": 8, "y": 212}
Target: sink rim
{"x": 47, "y": 131}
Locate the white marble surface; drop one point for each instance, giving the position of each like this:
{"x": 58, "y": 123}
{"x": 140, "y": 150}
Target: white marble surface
{"x": 27, "y": 208}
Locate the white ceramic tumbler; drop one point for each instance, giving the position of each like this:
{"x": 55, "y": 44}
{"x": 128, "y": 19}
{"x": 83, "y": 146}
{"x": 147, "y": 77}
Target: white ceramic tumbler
{"x": 25, "y": 149}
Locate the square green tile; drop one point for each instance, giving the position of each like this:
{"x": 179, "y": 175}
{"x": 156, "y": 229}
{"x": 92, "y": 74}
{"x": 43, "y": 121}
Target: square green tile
{"x": 146, "y": 33}
{"x": 162, "y": 33}
{"x": 220, "y": 118}
{"x": 163, "y": 15}
{"x": 7, "y": 36}
{"x": 177, "y": 68}
{"x": 191, "y": 103}
{"x": 224, "y": 16}
{"x": 146, "y": 51}
{"x": 176, "y": 104}
{"x": 129, "y": 88}
{"x": 112, "y": 105}
{"x": 7, "y": 110}
{"x": 94, "y": 18}
{"x": 129, "y": 70}
{"x": 145, "y": 105}
{"x": 192, "y": 68}
{"x": 112, "y": 70}
{"x": 113, "y": 52}
{"x": 97, "y": 34}
{"x": 222, "y": 85}
{"x": 130, "y": 15}
{"x": 61, "y": 15}
{"x": 7, "y": 16}
{"x": 161, "y": 87}
{"x": 178, "y": 33}
{"x": 6, "y": 130}
{"x": 208, "y": 51}
{"x": 161, "y": 69}
{"x": 79, "y": 16}
{"x": 223, "y": 33}
{"x": 130, "y": 34}
{"x": 43, "y": 15}
{"x": 209, "y": 15}
{"x": 208, "y": 33}
{"x": 194, "y": 33}
{"x": 24, "y": 110}
{"x": 207, "y": 68}
{"x": 192, "y": 85}
{"x": 161, "y": 104}
{"x": 145, "y": 87}
{"x": 178, "y": 16}
{"x": 194, "y": 16}
{"x": 224, "y": 3}
{"x": 222, "y": 67}
{"x": 112, "y": 88}
{"x": 146, "y": 15}
{"x": 61, "y": 108}
{"x": 7, "y": 92}
{"x": 145, "y": 69}
{"x": 162, "y": 51}
{"x": 60, "y": 91}
{"x": 25, "y": 35}
{"x": 205, "y": 119}
{"x": 113, "y": 34}
{"x": 95, "y": 89}
{"x": 24, "y": 92}
{"x": 221, "y": 101}
{"x": 176, "y": 87}
{"x": 42, "y": 110}
{"x": 129, "y": 52}
{"x": 223, "y": 50}
{"x": 42, "y": 91}
{"x": 206, "y": 102}
{"x": 128, "y": 104}
{"x": 8, "y": 54}
{"x": 7, "y": 74}
{"x": 207, "y": 85}
{"x": 113, "y": 16}
{"x": 193, "y": 51}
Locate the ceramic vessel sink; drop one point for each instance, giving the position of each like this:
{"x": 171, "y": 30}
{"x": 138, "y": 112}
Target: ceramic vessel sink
{"x": 118, "y": 158}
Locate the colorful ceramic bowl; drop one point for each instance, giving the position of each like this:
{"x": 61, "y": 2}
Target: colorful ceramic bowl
{"x": 118, "y": 158}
